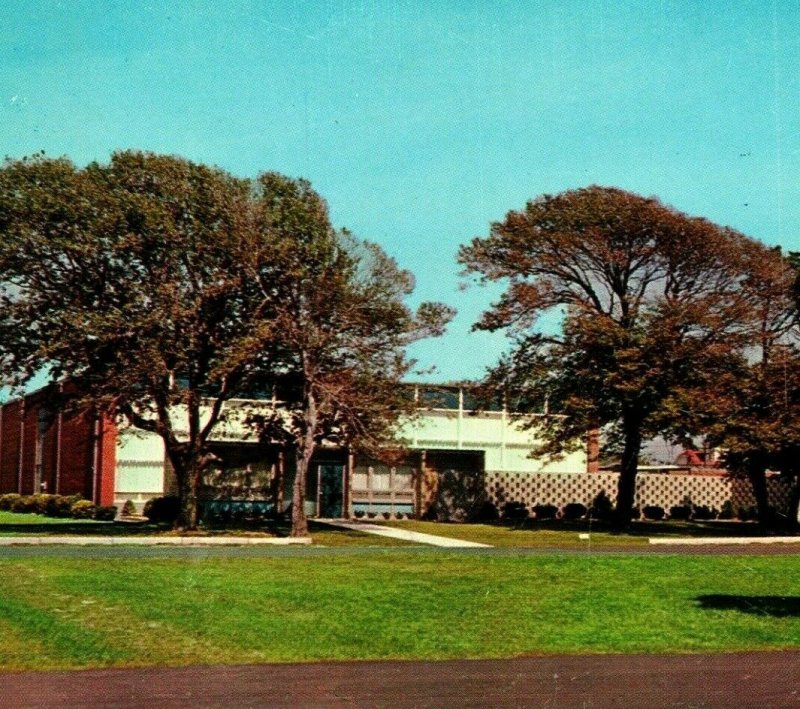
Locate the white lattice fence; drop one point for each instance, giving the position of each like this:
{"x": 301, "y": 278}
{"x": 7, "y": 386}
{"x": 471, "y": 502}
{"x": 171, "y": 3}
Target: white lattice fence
{"x": 665, "y": 491}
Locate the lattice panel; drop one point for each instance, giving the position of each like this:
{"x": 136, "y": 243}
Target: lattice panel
{"x": 665, "y": 491}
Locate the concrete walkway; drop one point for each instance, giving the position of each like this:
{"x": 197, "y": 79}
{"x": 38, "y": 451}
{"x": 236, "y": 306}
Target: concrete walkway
{"x": 404, "y": 534}
{"x": 701, "y": 541}
{"x": 123, "y": 540}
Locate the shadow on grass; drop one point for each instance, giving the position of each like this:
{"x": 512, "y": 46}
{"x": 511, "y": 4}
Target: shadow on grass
{"x": 775, "y": 606}
{"x": 82, "y": 529}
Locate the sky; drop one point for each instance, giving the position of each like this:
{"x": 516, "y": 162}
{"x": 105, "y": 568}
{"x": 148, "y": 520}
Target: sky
{"x": 422, "y": 122}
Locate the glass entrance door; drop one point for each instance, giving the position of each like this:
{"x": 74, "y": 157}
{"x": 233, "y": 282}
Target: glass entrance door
{"x": 331, "y": 490}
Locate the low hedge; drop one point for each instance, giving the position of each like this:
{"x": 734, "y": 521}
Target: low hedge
{"x": 73, "y": 506}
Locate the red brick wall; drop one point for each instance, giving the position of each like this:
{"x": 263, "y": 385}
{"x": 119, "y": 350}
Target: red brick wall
{"x": 108, "y": 462}
{"x": 9, "y": 447}
{"x": 29, "y": 436}
{"x": 77, "y": 453}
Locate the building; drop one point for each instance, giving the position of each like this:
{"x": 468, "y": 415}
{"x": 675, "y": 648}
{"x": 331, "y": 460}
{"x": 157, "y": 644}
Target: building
{"x": 448, "y": 446}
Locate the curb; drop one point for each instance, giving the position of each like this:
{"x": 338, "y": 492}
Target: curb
{"x": 152, "y": 541}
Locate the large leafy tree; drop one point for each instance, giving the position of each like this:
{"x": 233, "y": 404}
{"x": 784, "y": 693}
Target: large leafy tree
{"x": 650, "y": 299}
{"x": 161, "y": 289}
{"x": 751, "y": 409}
{"x": 344, "y": 327}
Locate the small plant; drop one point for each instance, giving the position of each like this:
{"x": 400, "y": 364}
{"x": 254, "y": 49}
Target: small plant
{"x": 24, "y": 504}
{"x": 545, "y": 511}
{"x": 61, "y": 505}
{"x": 83, "y": 509}
{"x": 602, "y": 508}
{"x": 573, "y": 511}
{"x": 680, "y": 512}
{"x": 129, "y": 509}
{"x": 727, "y": 511}
{"x": 487, "y": 512}
{"x": 105, "y": 513}
{"x": 746, "y": 514}
{"x": 358, "y": 514}
{"x": 7, "y": 501}
{"x": 653, "y": 512}
{"x": 515, "y": 511}
{"x": 162, "y": 509}
{"x": 704, "y": 512}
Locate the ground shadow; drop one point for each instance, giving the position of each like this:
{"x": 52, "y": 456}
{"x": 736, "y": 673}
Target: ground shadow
{"x": 775, "y": 606}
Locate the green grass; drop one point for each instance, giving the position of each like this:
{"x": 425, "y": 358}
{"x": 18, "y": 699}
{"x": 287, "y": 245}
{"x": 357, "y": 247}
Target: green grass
{"x": 67, "y": 613}
{"x": 13, "y": 524}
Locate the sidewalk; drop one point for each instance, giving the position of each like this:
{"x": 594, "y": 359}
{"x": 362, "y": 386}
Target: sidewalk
{"x": 123, "y": 540}
{"x": 403, "y": 534}
{"x": 700, "y": 541}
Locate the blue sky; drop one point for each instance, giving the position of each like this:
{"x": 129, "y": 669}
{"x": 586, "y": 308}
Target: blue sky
{"x": 420, "y": 123}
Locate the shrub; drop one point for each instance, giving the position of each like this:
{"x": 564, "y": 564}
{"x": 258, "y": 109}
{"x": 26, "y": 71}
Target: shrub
{"x": 680, "y": 512}
{"x": 653, "y": 512}
{"x": 515, "y": 511}
{"x": 727, "y": 511}
{"x": 704, "y": 512}
{"x": 602, "y": 508}
{"x": 61, "y": 505}
{"x": 359, "y": 514}
{"x": 487, "y": 512}
{"x": 747, "y": 513}
{"x": 82, "y": 509}
{"x": 40, "y": 502}
{"x": 24, "y": 504}
{"x": 545, "y": 511}
{"x": 105, "y": 513}
{"x": 163, "y": 509}
{"x": 128, "y": 509}
{"x": 573, "y": 511}
{"x": 7, "y": 501}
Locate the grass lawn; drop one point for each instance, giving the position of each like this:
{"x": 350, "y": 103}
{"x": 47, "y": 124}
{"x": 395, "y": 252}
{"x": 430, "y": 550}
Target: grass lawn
{"x": 68, "y": 613}
{"x": 13, "y": 524}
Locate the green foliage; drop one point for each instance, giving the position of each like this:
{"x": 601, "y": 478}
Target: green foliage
{"x": 601, "y": 508}
{"x": 8, "y": 500}
{"x": 573, "y": 511}
{"x": 61, "y": 505}
{"x": 514, "y": 512}
{"x": 82, "y": 509}
{"x": 162, "y": 509}
{"x": 159, "y": 285}
{"x": 545, "y": 511}
{"x": 128, "y": 509}
{"x": 727, "y": 511}
{"x": 652, "y": 302}
{"x": 105, "y": 513}
{"x": 653, "y": 512}
{"x": 704, "y": 512}
{"x": 680, "y": 512}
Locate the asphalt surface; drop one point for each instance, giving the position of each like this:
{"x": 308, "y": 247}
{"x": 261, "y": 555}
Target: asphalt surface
{"x": 768, "y": 679}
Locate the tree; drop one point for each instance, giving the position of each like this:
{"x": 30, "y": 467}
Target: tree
{"x": 752, "y": 409}
{"x": 649, "y": 299}
{"x": 343, "y": 328}
{"x": 156, "y": 286}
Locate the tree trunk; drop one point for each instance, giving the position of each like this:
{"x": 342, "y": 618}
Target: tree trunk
{"x": 626, "y": 488}
{"x": 756, "y": 472}
{"x": 792, "y": 523}
{"x": 299, "y": 520}
{"x": 188, "y": 479}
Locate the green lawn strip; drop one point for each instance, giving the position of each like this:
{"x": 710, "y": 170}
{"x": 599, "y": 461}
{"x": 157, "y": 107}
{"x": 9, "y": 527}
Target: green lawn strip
{"x": 429, "y": 605}
{"x": 506, "y": 536}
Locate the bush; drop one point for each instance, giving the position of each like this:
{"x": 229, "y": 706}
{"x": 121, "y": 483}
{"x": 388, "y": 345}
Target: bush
{"x": 515, "y": 511}
{"x": 487, "y": 512}
{"x": 82, "y": 509}
{"x": 602, "y": 508}
{"x": 704, "y": 512}
{"x": 163, "y": 509}
{"x": 545, "y": 511}
{"x": 61, "y": 505}
{"x": 727, "y": 511}
{"x": 653, "y": 512}
{"x": 24, "y": 504}
{"x": 747, "y": 514}
{"x": 128, "y": 509}
{"x": 680, "y": 512}
{"x": 105, "y": 513}
{"x": 7, "y": 501}
{"x": 573, "y": 511}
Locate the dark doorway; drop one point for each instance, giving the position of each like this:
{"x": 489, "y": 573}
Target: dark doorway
{"x": 331, "y": 490}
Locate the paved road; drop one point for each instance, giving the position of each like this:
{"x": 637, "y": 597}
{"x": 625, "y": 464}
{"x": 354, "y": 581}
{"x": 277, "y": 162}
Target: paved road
{"x": 769, "y": 679}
